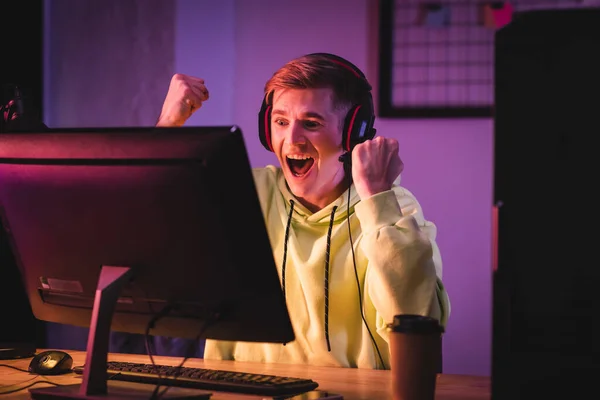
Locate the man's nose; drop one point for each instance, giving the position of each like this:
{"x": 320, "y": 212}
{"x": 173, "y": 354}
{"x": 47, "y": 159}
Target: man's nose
{"x": 295, "y": 134}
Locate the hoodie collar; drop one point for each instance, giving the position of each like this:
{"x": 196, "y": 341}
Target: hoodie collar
{"x": 323, "y": 216}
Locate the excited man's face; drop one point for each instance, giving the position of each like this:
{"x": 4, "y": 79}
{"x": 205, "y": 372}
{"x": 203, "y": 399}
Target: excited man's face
{"x": 307, "y": 140}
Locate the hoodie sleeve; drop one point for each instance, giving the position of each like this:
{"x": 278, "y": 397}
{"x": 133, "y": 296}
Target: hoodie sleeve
{"x": 404, "y": 265}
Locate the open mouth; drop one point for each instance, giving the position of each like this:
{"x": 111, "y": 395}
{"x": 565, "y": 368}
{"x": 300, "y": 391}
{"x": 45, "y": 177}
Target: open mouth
{"x": 299, "y": 165}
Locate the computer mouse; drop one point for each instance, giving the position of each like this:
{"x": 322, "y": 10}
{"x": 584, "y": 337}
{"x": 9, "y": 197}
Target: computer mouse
{"x": 51, "y": 362}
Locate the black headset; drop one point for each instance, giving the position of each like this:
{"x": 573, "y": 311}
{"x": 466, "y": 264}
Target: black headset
{"x": 358, "y": 124}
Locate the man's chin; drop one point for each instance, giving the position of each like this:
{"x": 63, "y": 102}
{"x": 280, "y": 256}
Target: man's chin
{"x": 298, "y": 186}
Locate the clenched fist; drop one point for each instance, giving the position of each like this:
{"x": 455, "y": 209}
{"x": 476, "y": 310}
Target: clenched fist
{"x": 186, "y": 94}
{"x": 375, "y": 166}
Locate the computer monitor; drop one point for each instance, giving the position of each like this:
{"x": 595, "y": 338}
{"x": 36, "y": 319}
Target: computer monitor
{"x": 119, "y": 228}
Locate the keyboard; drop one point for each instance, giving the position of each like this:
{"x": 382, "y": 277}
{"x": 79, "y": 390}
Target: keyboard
{"x": 207, "y": 379}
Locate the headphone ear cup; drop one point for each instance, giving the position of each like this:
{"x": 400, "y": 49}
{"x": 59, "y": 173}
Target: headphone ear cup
{"x": 358, "y": 126}
{"x": 264, "y": 125}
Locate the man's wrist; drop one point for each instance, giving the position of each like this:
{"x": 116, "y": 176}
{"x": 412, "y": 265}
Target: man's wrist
{"x": 367, "y": 190}
{"x": 166, "y": 123}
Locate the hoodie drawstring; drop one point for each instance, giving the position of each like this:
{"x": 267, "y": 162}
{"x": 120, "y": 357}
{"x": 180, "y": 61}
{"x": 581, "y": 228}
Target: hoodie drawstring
{"x": 285, "y": 243}
{"x": 327, "y": 256}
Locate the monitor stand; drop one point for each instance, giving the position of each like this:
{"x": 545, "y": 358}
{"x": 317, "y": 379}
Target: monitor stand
{"x": 95, "y": 384}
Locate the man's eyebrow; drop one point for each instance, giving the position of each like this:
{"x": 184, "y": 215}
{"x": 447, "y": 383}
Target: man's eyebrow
{"x": 308, "y": 114}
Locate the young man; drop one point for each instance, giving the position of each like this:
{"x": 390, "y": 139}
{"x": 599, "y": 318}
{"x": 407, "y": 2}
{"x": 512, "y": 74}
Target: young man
{"x": 353, "y": 249}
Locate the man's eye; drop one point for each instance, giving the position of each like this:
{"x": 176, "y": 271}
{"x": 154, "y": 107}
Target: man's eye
{"x": 280, "y": 122}
{"x": 311, "y": 124}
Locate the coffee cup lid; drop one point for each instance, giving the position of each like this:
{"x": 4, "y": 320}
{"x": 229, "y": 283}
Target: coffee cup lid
{"x": 409, "y": 323}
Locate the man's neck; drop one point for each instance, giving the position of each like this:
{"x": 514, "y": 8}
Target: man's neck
{"x": 315, "y": 205}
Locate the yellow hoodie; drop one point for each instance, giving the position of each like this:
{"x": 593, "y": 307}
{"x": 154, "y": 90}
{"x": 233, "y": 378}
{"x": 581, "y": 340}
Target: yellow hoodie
{"x": 398, "y": 266}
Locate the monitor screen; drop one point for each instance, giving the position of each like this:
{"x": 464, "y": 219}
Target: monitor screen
{"x": 175, "y": 207}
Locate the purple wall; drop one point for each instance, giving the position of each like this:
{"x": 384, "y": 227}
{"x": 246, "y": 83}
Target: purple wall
{"x": 108, "y": 63}
{"x": 236, "y": 45}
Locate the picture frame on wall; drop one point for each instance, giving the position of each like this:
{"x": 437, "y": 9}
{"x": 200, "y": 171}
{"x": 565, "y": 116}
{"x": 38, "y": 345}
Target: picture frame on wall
{"x": 436, "y": 57}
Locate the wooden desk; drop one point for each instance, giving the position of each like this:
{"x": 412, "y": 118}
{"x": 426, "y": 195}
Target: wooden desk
{"x": 351, "y": 383}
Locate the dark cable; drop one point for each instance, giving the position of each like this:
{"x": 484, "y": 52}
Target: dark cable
{"x": 347, "y": 167}
{"x": 44, "y": 380}
{"x": 13, "y": 367}
{"x": 189, "y": 351}
{"x": 188, "y": 354}
{"x": 28, "y": 386}
{"x": 151, "y": 324}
